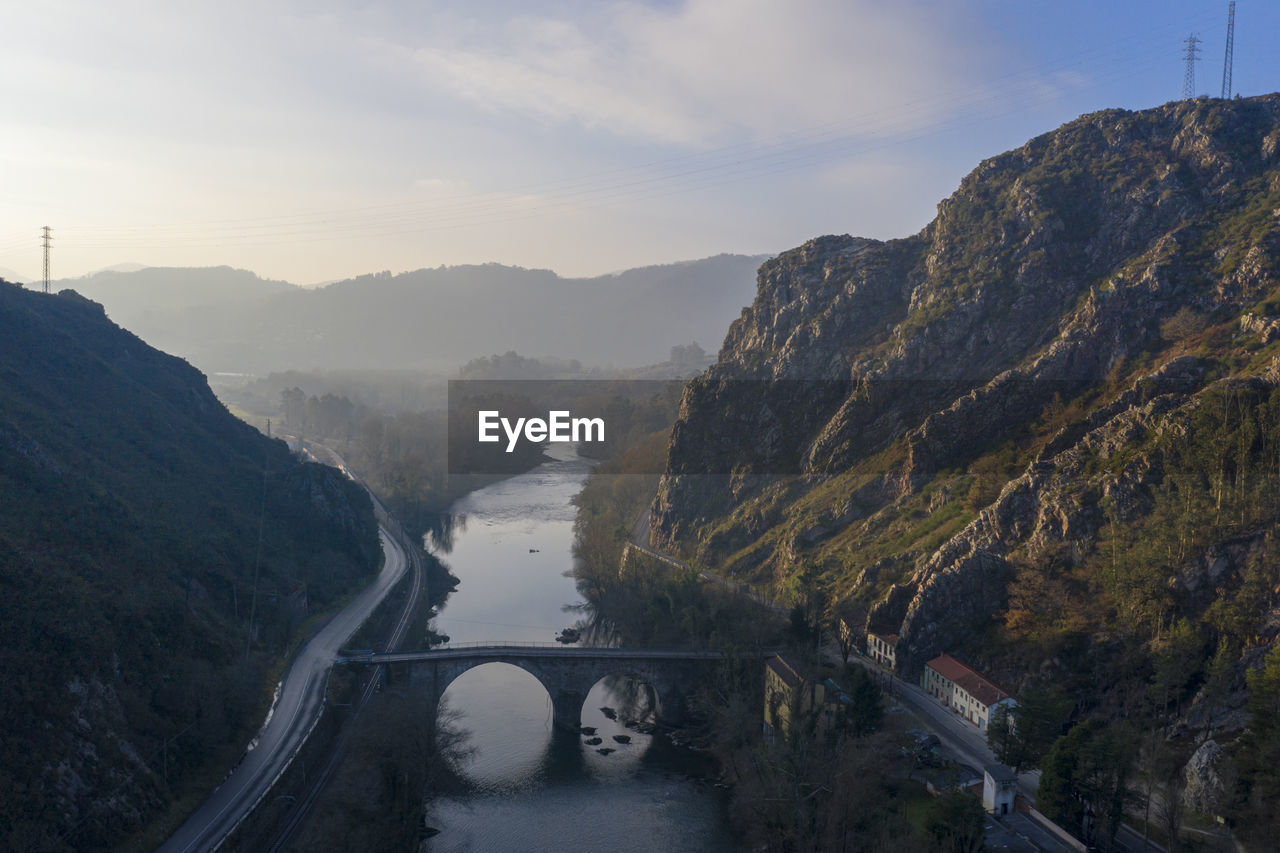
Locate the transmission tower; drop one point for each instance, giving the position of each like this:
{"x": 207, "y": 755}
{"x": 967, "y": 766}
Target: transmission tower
{"x": 1191, "y": 54}
{"x": 46, "y": 238}
{"x": 1231, "y": 43}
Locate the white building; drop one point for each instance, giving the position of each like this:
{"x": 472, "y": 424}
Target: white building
{"x": 883, "y": 649}
{"x": 963, "y": 689}
{"x": 999, "y": 786}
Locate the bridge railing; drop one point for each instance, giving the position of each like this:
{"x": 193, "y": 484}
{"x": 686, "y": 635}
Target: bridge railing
{"x": 517, "y": 645}
{"x": 477, "y": 644}
{"x": 547, "y": 644}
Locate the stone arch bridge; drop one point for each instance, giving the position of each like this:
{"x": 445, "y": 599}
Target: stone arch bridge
{"x": 566, "y": 672}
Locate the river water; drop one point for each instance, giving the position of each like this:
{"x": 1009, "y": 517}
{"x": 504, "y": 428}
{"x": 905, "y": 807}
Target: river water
{"x": 528, "y": 786}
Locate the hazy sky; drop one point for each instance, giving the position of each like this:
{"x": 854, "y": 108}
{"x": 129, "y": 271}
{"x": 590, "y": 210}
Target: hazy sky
{"x": 317, "y": 140}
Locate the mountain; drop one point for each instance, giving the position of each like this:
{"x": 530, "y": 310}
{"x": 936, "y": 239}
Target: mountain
{"x": 13, "y": 276}
{"x": 135, "y": 514}
{"x": 1042, "y": 433}
{"x": 230, "y": 321}
{"x": 144, "y": 297}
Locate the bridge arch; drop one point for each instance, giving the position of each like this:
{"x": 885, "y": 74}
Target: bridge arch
{"x": 453, "y": 674}
{"x": 504, "y": 712}
{"x": 567, "y": 674}
{"x": 626, "y": 695}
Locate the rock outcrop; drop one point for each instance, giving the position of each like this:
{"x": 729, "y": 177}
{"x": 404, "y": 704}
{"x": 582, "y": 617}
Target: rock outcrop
{"x": 1069, "y": 306}
{"x": 1205, "y": 792}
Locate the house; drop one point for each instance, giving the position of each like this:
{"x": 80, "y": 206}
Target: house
{"x": 963, "y": 689}
{"x": 787, "y": 690}
{"x": 999, "y": 786}
{"x": 883, "y": 649}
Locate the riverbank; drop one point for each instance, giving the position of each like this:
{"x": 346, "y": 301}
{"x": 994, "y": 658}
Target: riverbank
{"x": 528, "y": 786}
{"x": 511, "y": 544}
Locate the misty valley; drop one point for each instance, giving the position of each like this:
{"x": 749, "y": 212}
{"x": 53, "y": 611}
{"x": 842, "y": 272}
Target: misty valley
{"x": 964, "y": 537}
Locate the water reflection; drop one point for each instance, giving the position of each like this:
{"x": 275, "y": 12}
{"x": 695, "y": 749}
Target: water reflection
{"x": 530, "y": 786}
{"x": 441, "y": 529}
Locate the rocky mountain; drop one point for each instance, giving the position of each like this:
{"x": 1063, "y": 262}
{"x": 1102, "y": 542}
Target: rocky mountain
{"x": 1041, "y": 431}
{"x": 135, "y": 515}
{"x": 226, "y": 320}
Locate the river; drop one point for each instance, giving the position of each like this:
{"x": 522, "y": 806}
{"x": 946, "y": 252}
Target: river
{"x": 528, "y": 786}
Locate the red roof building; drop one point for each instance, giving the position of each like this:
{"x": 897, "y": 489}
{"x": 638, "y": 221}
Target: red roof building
{"x": 963, "y": 689}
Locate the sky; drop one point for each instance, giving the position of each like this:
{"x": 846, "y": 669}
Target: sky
{"x": 314, "y": 141}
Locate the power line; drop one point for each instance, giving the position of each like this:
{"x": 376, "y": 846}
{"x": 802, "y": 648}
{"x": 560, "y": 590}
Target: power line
{"x": 840, "y": 131}
{"x": 46, "y": 237}
{"x": 507, "y": 210}
{"x": 1191, "y": 55}
{"x": 1228, "y": 59}
{"x": 849, "y": 136}
{"x": 501, "y": 209}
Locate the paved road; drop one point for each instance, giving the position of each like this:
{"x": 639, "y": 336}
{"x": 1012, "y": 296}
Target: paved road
{"x": 303, "y": 807}
{"x": 295, "y": 712}
{"x": 961, "y": 738}
{"x": 969, "y": 745}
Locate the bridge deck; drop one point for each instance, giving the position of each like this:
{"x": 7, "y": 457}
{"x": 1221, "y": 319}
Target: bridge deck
{"x": 530, "y": 650}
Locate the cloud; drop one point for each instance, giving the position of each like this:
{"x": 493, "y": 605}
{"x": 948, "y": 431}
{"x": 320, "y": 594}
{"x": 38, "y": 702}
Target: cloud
{"x": 440, "y": 186}
{"x": 705, "y": 71}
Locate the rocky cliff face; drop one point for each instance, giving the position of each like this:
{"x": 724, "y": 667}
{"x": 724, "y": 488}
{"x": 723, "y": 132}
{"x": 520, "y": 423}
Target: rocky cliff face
{"x": 990, "y": 387}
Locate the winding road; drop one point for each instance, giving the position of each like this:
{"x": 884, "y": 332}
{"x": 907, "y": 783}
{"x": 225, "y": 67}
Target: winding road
{"x": 297, "y": 707}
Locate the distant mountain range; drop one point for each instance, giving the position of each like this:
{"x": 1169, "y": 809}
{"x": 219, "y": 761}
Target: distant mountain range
{"x": 228, "y": 320}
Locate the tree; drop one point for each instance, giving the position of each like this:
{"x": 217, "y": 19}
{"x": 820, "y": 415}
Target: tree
{"x": 1003, "y": 739}
{"x": 1259, "y": 752}
{"x": 293, "y": 403}
{"x": 1166, "y": 783}
{"x": 1218, "y": 680}
{"x": 1084, "y": 780}
{"x": 1177, "y": 661}
{"x": 1241, "y": 615}
{"x": 1022, "y": 736}
{"x": 846, "y": 625}
{"x": 865, "y": 710}
{"x": 799, "y": 629}
{"x": 955, "y": 823}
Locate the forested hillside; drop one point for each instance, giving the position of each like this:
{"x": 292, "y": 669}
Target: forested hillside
{"x": 136, "y": 515}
